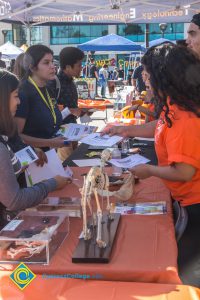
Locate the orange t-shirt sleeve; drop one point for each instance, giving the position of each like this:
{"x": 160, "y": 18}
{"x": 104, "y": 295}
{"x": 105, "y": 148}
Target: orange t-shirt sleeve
{"x": 183, "y": 142}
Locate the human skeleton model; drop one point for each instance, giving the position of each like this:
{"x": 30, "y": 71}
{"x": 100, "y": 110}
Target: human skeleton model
{"x": 96, "y": 179}
{"x": 97, "y": 182}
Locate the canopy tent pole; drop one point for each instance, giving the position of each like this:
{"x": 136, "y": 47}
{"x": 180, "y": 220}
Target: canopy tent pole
{"x": 28, "y": 34}
{"x": 134, "y": 65}
{"x": 129, "y": 64}
{"x": 87, "y": 59}
{"x": 140, "y": 56}
{"x": 129, "y": 61}
{"x": 147, "y": 36}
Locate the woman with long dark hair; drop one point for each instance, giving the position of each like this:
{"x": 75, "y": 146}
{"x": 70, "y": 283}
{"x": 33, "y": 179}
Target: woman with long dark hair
{"x": 38, "y": 117}
{"x": 18, "y": 69}
{"x": 174, "y": 77}
{"x": 12, "y": 197}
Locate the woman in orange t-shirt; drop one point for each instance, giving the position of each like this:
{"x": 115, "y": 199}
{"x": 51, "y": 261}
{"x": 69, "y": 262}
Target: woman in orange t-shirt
{"x": 174, "y": 77}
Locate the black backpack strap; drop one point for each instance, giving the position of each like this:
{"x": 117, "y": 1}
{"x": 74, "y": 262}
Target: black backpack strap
{"x": 58, "y": 87}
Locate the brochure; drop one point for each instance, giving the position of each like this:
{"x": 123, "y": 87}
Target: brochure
{"x": 53, "y": 167}
{"x": 130, "y": 161}
{"x": 74, "y": 132}
{"x": 92, "y": 162}
{"x": 145, "y": 208}
{"x": 95, "y": 139}
{"x": 26, "y": 156}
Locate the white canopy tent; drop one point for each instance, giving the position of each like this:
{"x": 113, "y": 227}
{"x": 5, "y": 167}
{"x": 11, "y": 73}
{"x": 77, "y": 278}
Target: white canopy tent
{"x": 10, "y": 51}
{"x": 101, "y": 11}
{"x": 158, "y": 42}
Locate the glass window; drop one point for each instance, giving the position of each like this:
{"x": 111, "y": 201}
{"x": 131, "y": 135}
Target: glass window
{"x": 9, "y": 36}
{"x": 76, "y": 34}
{"x": 174, "y": 31}
{"x": 98, "y": 31}
{"x": 154, "y": 28}
{"x": 36, "y": 35}
{"x": 85, "y": 31}
{"x": 121, "y": 29}
{"x": 73, "y": 32}
{"x": 179, "y": 27}
{"x": 19, "y": 34}
{"x": 133, "y": 32}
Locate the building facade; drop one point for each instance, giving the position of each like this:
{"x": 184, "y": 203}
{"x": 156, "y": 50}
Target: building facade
{"x": 59, "y": 36}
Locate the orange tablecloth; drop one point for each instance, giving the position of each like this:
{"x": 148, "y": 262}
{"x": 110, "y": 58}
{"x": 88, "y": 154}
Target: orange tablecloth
{"x": 145, "y": 248}
{"x": 74, "y": 289}
{"x": 121, "y": 121}
{"x": 88, "y": 103}
{"x": 96, "y": 104}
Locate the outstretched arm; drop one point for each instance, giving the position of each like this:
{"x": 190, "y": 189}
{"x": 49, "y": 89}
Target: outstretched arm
{"x": 174, "y": 172}
{"x": 145, "y": 130}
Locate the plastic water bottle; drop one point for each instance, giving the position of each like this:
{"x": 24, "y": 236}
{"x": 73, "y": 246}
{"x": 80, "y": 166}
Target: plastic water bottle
{"x": 137, "y": 117}
{"x": 125, "y": 146}
{"x": 116, "y": 154}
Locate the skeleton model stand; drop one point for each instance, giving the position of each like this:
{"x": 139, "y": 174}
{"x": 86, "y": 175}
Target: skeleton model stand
{"x": 103, "y": 227}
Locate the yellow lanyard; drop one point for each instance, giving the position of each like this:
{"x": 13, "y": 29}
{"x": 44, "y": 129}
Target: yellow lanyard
{"x": 48, "y": 103}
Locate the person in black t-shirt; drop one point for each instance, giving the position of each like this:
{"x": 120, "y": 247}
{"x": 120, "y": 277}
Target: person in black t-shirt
{"x": 38, "y": 117}
{"x": 129, "y": 77}
{"x": 121, "y": 72}
{"x": 93, "y": 72}
{"x": 2, "y": 63}
{"x": 70, "y": 66}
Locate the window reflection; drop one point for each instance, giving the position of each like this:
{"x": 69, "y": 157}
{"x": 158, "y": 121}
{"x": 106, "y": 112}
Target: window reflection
{"x": 76, "y": 34}
{"x": 135, "y": 32}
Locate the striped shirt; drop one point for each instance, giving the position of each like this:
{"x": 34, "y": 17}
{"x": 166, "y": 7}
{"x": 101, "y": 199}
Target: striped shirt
{"x": 14, "y": 160}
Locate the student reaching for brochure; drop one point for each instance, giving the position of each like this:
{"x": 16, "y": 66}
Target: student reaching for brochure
{"x": 12, "y": 197}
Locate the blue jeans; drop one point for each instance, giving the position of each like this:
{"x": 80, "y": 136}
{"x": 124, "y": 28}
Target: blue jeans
{"x": 103, "y": 88}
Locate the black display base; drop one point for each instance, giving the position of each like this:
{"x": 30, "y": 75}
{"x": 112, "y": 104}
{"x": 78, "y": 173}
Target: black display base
{"x": 88, "y": 251}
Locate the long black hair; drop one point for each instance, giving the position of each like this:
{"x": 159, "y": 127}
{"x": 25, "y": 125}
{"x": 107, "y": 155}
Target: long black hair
{"x": 19, "y": 70}
{"x": 8, "y": 84}
{"x": 174, "y": 72}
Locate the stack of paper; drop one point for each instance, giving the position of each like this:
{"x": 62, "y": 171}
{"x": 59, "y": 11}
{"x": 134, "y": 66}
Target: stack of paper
{"x": 93, "y": 162}
{"x": 130, "y": 161}
{"x": 51, "y": 169}
{"x": 95, "y": 139}
{"x": 74, "y": 132}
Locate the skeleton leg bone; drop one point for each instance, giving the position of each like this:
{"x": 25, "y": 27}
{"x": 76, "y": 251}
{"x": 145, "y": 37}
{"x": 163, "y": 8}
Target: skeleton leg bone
{"x": 99, "y": 240}
{"x": 86, "y": 230}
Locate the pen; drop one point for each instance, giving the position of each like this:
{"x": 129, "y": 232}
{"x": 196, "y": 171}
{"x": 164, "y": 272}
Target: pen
{"x": 29, "y": 177}
{"x": 139, "y": 144}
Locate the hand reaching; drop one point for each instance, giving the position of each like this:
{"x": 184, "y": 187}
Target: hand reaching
{"x": 62, "y": 181}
